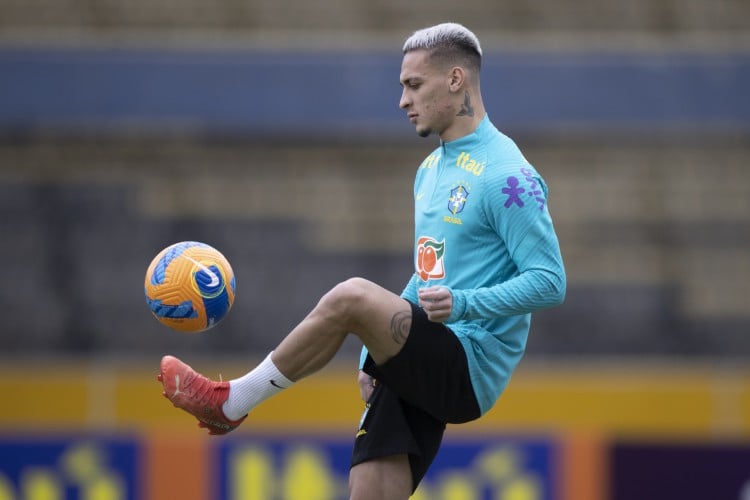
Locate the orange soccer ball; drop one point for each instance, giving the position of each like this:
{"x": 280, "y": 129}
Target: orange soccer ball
{"x": 189, "y": 286}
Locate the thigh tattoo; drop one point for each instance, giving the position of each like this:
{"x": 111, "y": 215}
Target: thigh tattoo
{"x": 400, "y": 324}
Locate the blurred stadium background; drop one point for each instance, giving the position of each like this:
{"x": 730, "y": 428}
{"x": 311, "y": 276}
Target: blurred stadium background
{"x": 271, "y": 130}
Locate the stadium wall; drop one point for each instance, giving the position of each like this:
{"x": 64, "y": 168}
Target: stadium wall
{"x": 354, "y": 94}
{"x": 654, "y": 241}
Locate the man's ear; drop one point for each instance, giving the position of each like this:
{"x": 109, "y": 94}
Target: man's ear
{"x": 457, "y": 78}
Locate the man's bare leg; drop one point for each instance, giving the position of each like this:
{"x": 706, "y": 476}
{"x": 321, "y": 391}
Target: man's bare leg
{"x": 387, "y": 477}
{"x": 380, "y": 318}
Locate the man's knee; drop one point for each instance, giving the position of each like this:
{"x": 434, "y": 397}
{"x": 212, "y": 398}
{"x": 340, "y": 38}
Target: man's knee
{"x": 346, "y": 301}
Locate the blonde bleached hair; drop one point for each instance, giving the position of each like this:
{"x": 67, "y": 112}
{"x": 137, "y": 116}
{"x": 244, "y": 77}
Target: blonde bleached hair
{"x": 447, "y": 41}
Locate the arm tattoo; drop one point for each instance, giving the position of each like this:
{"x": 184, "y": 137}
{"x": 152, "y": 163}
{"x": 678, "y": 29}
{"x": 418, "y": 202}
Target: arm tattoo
{"x": 466, "y": 108}
{"x": 400, "y": 324}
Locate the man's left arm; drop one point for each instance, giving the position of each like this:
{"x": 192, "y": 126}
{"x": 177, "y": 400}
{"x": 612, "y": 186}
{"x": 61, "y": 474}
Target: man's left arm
{"x": 534, "y": 248}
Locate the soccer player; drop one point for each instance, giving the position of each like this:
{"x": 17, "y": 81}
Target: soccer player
{"x": 486, "y": 256}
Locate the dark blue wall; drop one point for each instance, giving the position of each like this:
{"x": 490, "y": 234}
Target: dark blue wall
{"x": 356, "y": 94}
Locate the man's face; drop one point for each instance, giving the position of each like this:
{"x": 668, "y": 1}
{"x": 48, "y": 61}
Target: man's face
{"x": 426, "y": 96}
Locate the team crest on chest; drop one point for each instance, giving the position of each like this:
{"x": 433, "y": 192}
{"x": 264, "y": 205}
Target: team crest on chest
{"x": 457, "y": 202}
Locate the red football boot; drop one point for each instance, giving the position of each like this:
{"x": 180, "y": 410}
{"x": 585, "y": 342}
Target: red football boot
{"x": 197, "y": 395}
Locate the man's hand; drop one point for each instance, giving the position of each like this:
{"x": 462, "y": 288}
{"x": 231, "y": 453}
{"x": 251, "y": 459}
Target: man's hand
{"x": 366, "y": 385}
{"x": 437, "y": 301}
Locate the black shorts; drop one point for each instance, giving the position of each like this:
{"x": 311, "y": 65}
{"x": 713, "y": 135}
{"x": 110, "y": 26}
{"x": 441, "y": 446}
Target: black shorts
{"x": 421, "y": 389}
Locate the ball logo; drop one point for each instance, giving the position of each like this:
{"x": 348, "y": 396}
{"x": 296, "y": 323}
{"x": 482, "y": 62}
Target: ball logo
{"x": 206, "y": 279}
{"x": 212, "y": 275}
{"x": 429, "y": 258}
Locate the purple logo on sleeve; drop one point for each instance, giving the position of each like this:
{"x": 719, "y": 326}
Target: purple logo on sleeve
{"x": 513, "y": 191}
{"x": 534, "y": 187}
{"x": 529, "y": 185}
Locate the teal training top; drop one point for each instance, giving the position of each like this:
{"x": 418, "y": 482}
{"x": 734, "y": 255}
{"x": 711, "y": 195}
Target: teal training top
{"x": 483, "y": 230}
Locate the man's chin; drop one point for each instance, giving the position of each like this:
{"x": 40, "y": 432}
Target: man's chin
{"x": 423, "y": 132}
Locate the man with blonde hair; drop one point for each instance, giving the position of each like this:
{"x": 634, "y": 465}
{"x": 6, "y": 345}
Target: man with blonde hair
{"x": 486, "y": 256}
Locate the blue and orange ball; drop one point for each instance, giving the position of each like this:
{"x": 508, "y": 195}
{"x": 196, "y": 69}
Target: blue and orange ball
{"x": 189, "y": 286}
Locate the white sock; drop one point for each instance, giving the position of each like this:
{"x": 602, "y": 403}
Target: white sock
{"x": 246, "y": 392}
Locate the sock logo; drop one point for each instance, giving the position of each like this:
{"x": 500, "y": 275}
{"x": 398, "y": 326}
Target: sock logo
{"x": 273, "y": 383}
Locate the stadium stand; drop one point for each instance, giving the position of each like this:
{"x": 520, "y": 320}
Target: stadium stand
{"x": 361, "y": 15}
{"x": 106, "y": 131}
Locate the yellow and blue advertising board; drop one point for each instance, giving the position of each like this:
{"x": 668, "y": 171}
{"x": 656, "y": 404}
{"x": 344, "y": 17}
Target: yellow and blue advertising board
{"x": 103, "y": 433}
